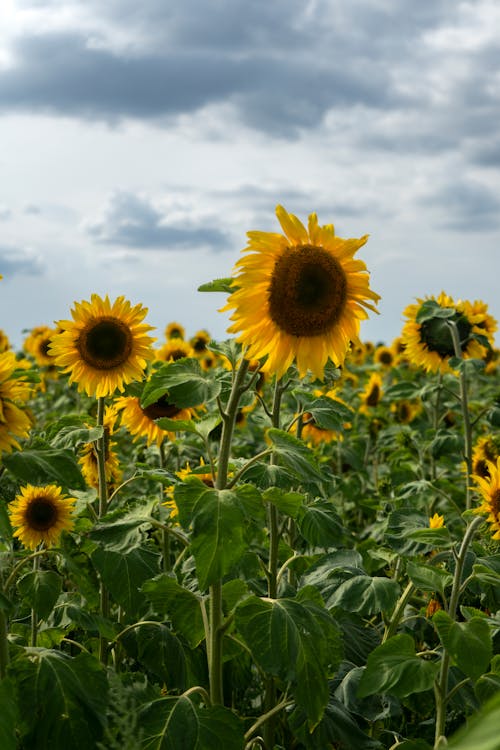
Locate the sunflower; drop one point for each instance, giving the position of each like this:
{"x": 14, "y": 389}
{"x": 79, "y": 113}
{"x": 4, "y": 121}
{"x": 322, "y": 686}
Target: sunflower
{"x": 429, "y": 344}
{"x": 436, "y": 521}
{"x": 175, "y": 331}
{"x": 199, "y": 343}
{"x": 105, "y": 346}
{"x": 299, "y": 296}
{"x": 489, "y": 489}
{"x": 4, "y": 342}
{"x": 37, "y": 344}
{"x": 14, "y": 392}
{"x": 372, "y": 393}
{"x": 140, "y": 422}
{"x": 88, "y": 455}
{"x": 384, "y": 355}
{"x": 40, "y": 514}
{"x": 405, "y": 411}
{"x": 485, "y": 450}
{"x": 174, "y": 349}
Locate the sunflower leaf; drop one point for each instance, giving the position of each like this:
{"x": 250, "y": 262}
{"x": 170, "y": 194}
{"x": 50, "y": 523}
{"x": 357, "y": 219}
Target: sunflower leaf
{"x": 432, "y": 309}
{"x": 180, "y": 605}
{"x": 218, "y": 285}
{"x": 182, "y": 383}
{"x": 39, "y": 466}
{"x": 468, "y": 643}
{"x": 41, "y": 588}
{"x": 179, "y": 723}
{"x": 295, "y": 455}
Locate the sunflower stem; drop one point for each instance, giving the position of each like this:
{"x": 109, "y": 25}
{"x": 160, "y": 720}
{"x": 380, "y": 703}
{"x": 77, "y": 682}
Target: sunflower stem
{"x": 465, "y": 412}
{"x": 34, "y": 616}
{"x": 4, "y": 645}
{"x": 103, "y": 507}
{"x": 216, "y": 617}
{"x": 441, "y": 684}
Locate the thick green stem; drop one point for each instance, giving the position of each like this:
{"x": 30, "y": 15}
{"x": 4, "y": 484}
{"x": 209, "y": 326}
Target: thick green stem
{"x": 398, "y": 612}
{"x": 34, "y": 615}
{"x": 216, "y": 617}
{"x": 103, "y": 507}
{"x": 441, "y": 684}
{"x": 465, "y": 414}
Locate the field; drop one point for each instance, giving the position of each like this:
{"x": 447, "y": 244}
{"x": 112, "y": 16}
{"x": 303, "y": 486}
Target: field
{"x": 202, "y": 548}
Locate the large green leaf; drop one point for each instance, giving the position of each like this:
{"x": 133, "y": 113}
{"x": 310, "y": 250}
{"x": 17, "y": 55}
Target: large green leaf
{"x": 41, "y": 588}
{"x": 180, "y": 724}
{"x": 394, "y": 668}
{"x": 219, "y": 520}
{"x": 428, "y": 577}
{"x": 297, "y": 642}
{"x": 328, "y": 413}
{"x": 295, "y": 455}
{"x": 182, "y": 383}
{"x": 62, "y": 700}
{"x": 366, "y": 595}
{"x": 337, "y": 728}
{"x": 157, "y": 648}
{"x": 123, "y": 573}
{"x": 180, "y": 605}
{"x": 468, "y": 643}
{"x": 39, "y": 466}
{"x": 320, "y": 524}
{"x": 8, "y": 715}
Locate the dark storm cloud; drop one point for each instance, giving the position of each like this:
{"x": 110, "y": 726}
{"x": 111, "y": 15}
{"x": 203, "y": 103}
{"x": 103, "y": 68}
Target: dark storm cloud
{"x": 468, "y": 206}
{"x": 132, "y": 221}
{"x": 15, "y": 261}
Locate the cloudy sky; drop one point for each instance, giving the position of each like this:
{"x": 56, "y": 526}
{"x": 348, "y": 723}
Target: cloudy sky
{"x": 140, "y": 141}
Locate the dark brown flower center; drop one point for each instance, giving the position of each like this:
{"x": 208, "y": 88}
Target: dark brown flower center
{"x": 385, "y": 357}
{"x": 495, "y": 504}
{"x": 41, "y": 514}
{"x": 43, "y": 347}
{"x": 481, "y": 468}
{"x": 436, "y": 334}
{"x": 308, "y": 291}
{"x": 161, "y": 408}
{"x": 105, "y": 343}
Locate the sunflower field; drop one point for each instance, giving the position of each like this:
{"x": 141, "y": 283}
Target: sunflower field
{"x": 286, "y": 540}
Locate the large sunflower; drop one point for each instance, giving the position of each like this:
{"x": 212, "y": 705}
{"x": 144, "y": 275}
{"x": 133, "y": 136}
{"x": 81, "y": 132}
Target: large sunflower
{"x": 105, "y": 346}
{"x": 14, "y": 392}
{"x": 489, "y": 489}
{"x": 429, "y": 344}
{"x": 40, "y": 514}
{"x": 299, "y": 296}
{"x": 140, "y": 422}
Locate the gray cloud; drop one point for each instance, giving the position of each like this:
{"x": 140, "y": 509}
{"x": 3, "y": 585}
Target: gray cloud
{"x": 133, "y": 221}
{"x": 469, "y": 206}
{"x": 15, "y": 261}
{"x": 5, "y": 213}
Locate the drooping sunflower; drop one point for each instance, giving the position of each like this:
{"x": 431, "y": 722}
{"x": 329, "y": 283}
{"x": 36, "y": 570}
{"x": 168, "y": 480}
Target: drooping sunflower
{"x": 105, "y": 346}
{"x": 175, "y": 330}
{"x": 40, "y": 514}
{"x": 489, "y": 489}
{"x": 140, "y": 422}
{"x": 88, "y": 455}
{"x": 299, "y": 296}
{"x": 372, "y": 393}
{"x": 174, "y": 349}
{"x": 15, "y": 422}
{"x": 429, "y": 344}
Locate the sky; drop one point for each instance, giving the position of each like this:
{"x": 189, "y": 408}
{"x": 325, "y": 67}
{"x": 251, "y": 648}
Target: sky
{"x": 140, "y": 141}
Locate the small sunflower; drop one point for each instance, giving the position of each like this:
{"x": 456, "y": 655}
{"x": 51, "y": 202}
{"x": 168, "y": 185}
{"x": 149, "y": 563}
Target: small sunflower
{"x": 485, "y": 450}
{"x": 88, "y": 456}
{"x": 199, "y": 343}
{"x": 405, "y": 411}
{"x": 4, "y": 342}
{"x": 40, "y": 514}
{"x": 175, "y": 331}
{"x": 105, "y": 346}
{"x": 174, "y": 349}
{"x": 299, "y": 296}
{"x": 436, "y": 521}
{"x": 14, "y": 393}
{"x": 429, "y": 344}
{"x": 384, "y": 355}
{"x": 140, "y": 422}
{"x": 372, "y": 393}
{"x": 37, "y": 344}
{"x": 489, "y": 489}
